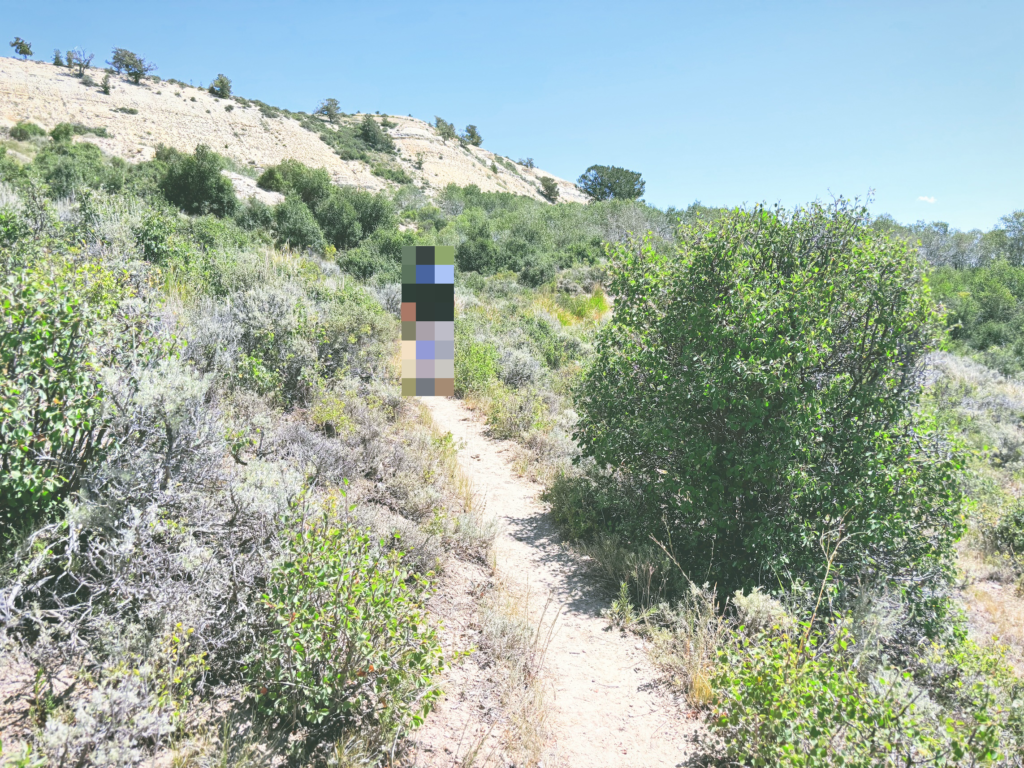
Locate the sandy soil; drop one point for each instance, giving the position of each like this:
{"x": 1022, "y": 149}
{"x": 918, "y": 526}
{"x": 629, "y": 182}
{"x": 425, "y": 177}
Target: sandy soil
{"x": 606, "y": 707}
{"x": 183, "y": 117}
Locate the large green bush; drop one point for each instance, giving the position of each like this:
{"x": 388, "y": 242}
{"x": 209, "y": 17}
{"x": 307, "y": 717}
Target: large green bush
{"x": 26, "y": 131}
{"x": 351, "y": 643}
{"x": 985, "y": 312}
{"x": 195, "y": 184}
{"x": 51, "y": 415}
{"x": 346, "y": 216}
{"x": 313, "y": 185}
{"x": 296, "y": 225}
{"x": 759, "y": 386}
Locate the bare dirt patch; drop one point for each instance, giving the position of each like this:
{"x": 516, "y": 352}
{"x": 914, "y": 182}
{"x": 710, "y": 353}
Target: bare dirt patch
{"x": 606, "y": 704}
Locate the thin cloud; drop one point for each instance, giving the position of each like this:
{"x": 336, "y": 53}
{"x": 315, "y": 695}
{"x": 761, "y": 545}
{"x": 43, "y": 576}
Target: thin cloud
{"x": 927, "y": 199}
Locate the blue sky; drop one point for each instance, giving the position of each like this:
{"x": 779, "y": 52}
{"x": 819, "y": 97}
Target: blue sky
{"x": 726, "y": 103}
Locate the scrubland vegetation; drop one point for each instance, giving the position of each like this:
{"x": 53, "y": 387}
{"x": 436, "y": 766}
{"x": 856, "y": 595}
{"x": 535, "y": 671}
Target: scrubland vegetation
{"x": 220, "y": 519}
{"x": 789, "y": 441}
{"x": 795, "y": 490}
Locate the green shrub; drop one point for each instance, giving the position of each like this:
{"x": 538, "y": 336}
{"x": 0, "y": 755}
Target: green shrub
{"x": 221, "y": 87}
{"x": 195, "y": 184}
{"x": 364, "y": 263}
{"x": 513, "y": 413}
{"x": 339, "y": 221}
{"x": 25, "y": 131}
{"x": 351, "y": 643}
{"x": 478, "y": 253}
{"x": 62, "y": 132}
{"x": 162, "y": 240}
{"x": 80, "y": 130}
{"x": 1009, "y": 532}
{"x": 549, "y": 189}
{"x": 296, "y": 225}
{"x": 537, "y": 271}
{"x": 313, "y": 185}
{"x": 66, "y": 167}
{"x": 476, "y": 366}
{"x": 374, "y": 136}
{"x": 445, "y": 129}
{"x": 760, "y": 391}
{"x": 254, "y": 214}
{"x": 272, "y": 180}
{"x": 391, "y": 173}
{"x": 13, "y": 228}
{"x": 127, "y": 110}
{"x": 50, "y": 397}
{"x": 780, "y": 702}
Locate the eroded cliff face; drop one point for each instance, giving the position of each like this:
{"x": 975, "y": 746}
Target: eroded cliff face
{"x": 182, "y": 117}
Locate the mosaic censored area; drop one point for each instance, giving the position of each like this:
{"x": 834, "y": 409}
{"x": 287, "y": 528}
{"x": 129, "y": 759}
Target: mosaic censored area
{"x": 428, "y": 320}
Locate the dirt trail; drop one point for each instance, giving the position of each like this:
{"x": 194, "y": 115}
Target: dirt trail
{"x": 605, "y": 708}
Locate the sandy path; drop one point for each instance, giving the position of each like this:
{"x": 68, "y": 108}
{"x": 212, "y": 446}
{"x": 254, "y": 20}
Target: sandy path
{"x": 605, "y": 708}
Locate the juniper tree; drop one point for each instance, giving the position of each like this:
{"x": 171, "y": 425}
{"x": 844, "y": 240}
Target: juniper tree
{"x": 221, "y": 87}
{"x": 374, "y": 136}
{"x": 445, "y": 129}
{"x": 472, "y": 136}
{"x": 131, "y": 64}
{"x": 80, "y": 60}
{"x": 608, "y": 182}
{"x": 21, "y": 47}
{"x": 549, "y": 189}
{"x": 330, "y": 109}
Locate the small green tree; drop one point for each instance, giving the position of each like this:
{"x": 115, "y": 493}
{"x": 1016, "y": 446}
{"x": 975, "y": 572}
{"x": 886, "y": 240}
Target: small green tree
{"x": 80, "y": 60}
{"x": 374, "y": 135}
{"x": 445, "y": 129}
{"x": 608, "y": 182}
{"x": 472, "y": 136}
{"x": 58, "y": 58}
{"x": 21, "y": 48}
{"x": 330, "y": 109}
{"x": 130, "y": 64}
{"x": 527, "y": 163}
{"x": 221, "y": 87}
{"x": 339, "y": 220}
{"x": 26, "y": 131}
{"x": 62, "y": 132}
{"x": 195, "y": 184}
{"x": 296, "y": 226}
{"x": 118, "y": 59}
{"x": 105, "y": 86}
{"x": 1013, "y": 227}
{"x": 549, "y": 189}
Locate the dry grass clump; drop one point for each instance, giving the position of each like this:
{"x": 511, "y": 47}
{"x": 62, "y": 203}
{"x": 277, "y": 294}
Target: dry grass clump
{"x": 519, "y": 646}
{"x": 1003, "y": 610}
